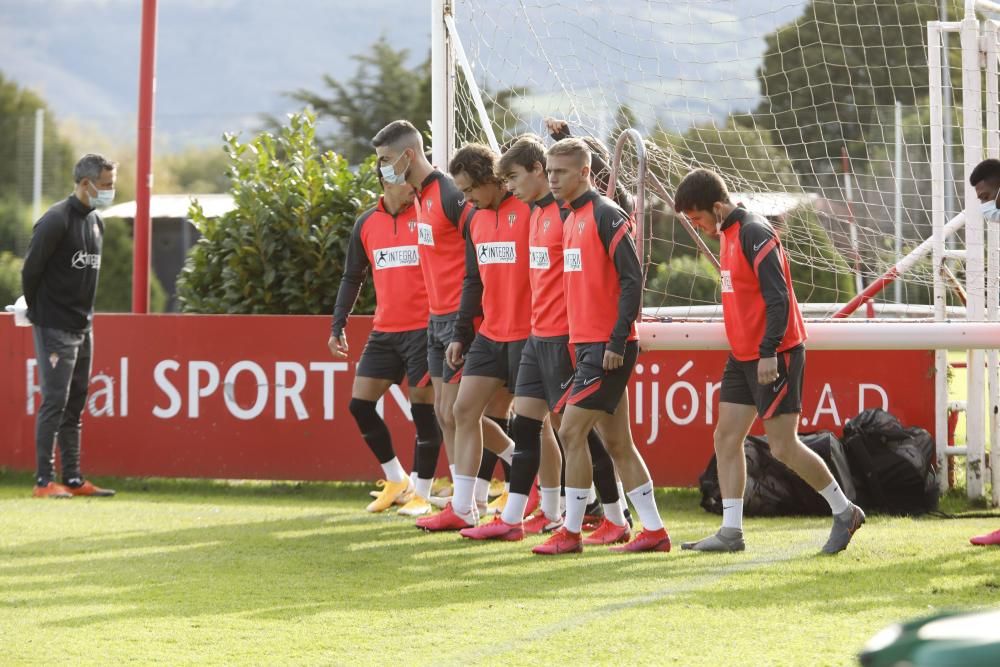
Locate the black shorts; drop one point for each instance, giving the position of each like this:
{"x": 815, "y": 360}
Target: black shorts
{"x": 440, "y": 330}
{"x": 489, "y": 358}
{"x": 394, "y": 355}
{"x": 546, "y": 371}
{"x": 593, "y": 387}
{"x": 781, "y": 397}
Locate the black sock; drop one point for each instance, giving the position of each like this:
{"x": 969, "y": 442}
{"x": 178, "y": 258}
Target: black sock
{"x": 373, "y": 429}
{"x": 504, "y": 425}
{"x": 604, "y": 469}
{"x": 488, "y": 464}
{"x": 428, "y": 448}
{"x": 527, "y": 454}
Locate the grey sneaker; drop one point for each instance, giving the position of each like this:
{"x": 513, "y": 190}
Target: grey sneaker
{"x": 845, "y": 525}
{"x": 727, "y": 539}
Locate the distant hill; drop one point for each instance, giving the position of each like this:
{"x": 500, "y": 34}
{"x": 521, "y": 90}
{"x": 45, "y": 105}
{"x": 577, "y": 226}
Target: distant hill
{"x": 222, "y": 63}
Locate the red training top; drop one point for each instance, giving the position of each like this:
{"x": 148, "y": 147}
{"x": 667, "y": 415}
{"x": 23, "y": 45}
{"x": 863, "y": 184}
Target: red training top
{"x": 758, "y": 303}
{"x": 601, "y": 272}
{"x": 496, "y": 273}
{"x": 387, "y": 244}
{"x": 442, "y": 250}
{"x": 548, "y": 298}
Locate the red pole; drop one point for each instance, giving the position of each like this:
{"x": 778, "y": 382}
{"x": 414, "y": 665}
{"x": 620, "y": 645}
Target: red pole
{"x": 144, "y": 159}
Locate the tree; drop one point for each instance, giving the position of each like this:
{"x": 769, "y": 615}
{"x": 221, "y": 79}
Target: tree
{"x": 819, "y": 272}
{"x": 743, "y": 156}
{"x": 624, "y": 119}
{"x": 195, "y": 170}
{"x": 17, "y": 135}
{"x": 824, "y": 76}
{"x": 10, "y": 277}
{"x": 383, "y": 89}
{"x": 282, "y": 249}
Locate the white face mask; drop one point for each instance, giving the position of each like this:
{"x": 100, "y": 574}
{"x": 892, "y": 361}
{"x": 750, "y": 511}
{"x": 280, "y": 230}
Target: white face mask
{"x": 389, "y": 174}
{"x": 990, "y": 211}
{"x": 102, "y": 198}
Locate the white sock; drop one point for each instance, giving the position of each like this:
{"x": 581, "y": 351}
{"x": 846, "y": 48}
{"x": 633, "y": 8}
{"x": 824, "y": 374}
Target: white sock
{"x": 550, "y": 502}
{"x": 413, "y": 478}
{"x": 732, "y": 513}
{"x": 622, "y": 498}
{"x": 451, "y": 469}
{"x": 482, "y": 491}
{"x": 592, "y": 496}
{"x": 645, "y": 505}
{"x": 394, "y": 470}
{"x": 562, "y": 503}
{"x": 614, "y": 513}
{"x": 513, "y": 511}
{"x": 838, "y": 501}
{"x": 507, "y": 455}
{"x": 422, "y": 487}
{"x": 461, "y": 501}
{"x": 576, "y": 505}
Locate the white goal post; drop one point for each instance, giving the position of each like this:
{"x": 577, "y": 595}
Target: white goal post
{"x": 469, "y": 89}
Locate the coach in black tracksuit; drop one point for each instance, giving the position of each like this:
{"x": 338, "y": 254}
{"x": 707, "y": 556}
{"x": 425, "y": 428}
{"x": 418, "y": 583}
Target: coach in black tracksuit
{"x": 59, "y": 279}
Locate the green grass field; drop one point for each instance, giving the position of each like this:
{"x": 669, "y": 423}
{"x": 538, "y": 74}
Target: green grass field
{"x": 206, "y": 572}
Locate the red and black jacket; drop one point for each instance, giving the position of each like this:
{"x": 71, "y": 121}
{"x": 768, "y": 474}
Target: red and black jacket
{"x": 387, "y": 244}
{"x": 496, "y": 273}
{"x": 758, "y": 303}
{"x": 545, "y": 264}
{"x": 601, "y": 272}
{"x": 442, "y": 249}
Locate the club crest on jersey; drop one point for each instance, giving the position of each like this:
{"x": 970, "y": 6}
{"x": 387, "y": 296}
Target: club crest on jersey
{"x": 572, "y": 260}
{"x": 497, "y": 252}
{"x": 510, "y": 219}
{"x": 430, "y": 203}
{"x": 391, "y": 258}
{"x": 412, "y": 224}
{"x": 425, "y": 234}
{"x": 579, "y": 226}
{"x": 727, "y": 281}
{"x": 545, "y": 225}
{"x": 538, "y": 258}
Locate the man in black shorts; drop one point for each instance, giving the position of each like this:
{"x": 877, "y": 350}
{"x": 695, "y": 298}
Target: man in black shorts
{"x": 384, "y": 239}
{"x": 763, "y": 376}
{"x": 496, "y": 284}
{"x": 603, "y": 283}
{"x": 546, "y": 372}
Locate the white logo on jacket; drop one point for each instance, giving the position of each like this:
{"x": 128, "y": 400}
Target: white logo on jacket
{"x": 727, "y": 281}
{"x": 539, "y": 258}
{"x": 496, "y": 252}
{"x": 391, "y": 258}
{"x": 82, "y": 260}
{"x": 572, "y": 260}
{"x": 425, "y": 233}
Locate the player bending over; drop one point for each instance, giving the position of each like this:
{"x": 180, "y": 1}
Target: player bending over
{"x": 763, "y": 375}
{"x": 496, "y": 284}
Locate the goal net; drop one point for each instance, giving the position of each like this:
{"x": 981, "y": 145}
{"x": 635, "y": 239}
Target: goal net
{"x": 816, "y": 113}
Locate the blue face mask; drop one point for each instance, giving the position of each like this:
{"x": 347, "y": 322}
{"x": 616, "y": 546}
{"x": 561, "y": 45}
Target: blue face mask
{"x": 391, "y": 176}
{"x": 102, "y": 198}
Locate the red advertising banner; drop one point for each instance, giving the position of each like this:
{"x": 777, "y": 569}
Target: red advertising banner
{"x": 260, "y": 397}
